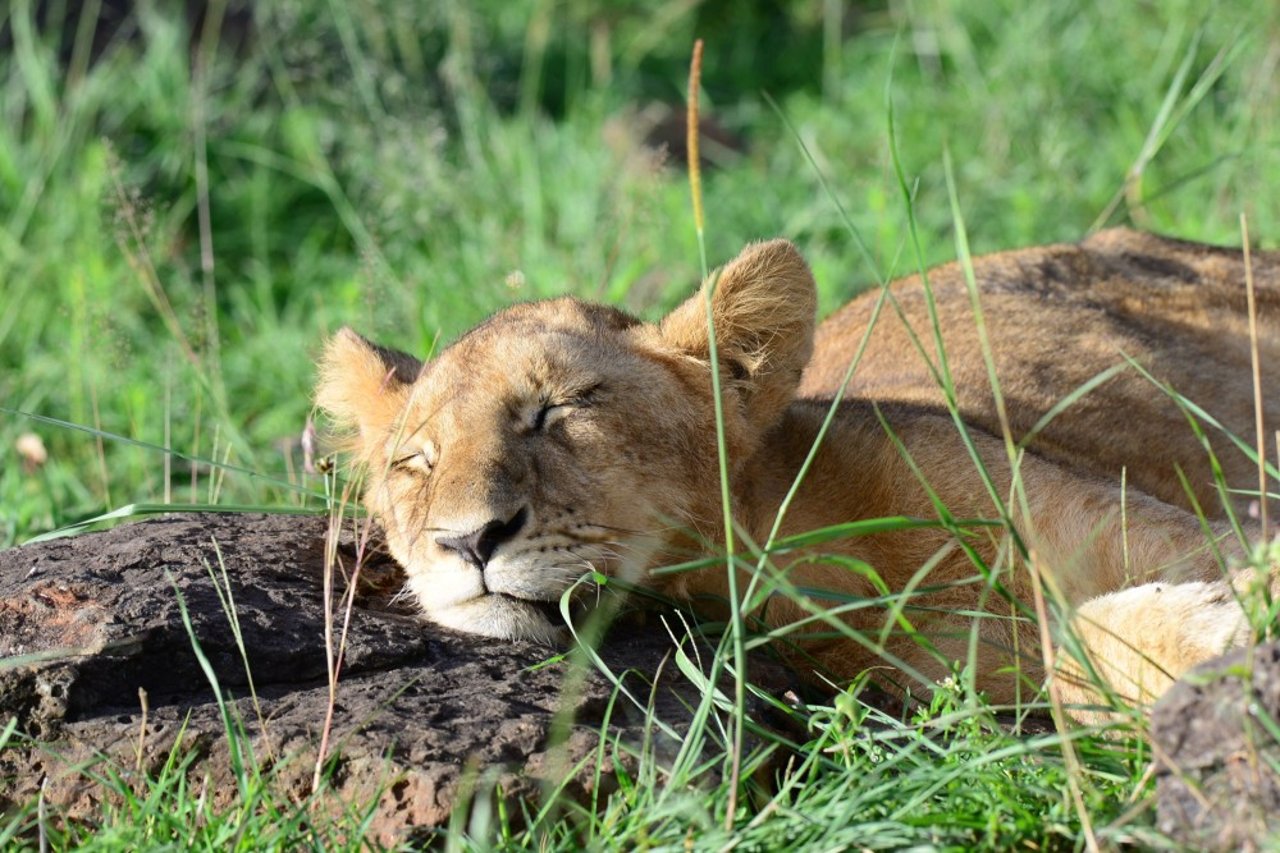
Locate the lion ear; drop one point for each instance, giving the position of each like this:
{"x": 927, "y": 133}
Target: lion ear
{"x": 363, "y": 385}
{"x": 762, "y": 304}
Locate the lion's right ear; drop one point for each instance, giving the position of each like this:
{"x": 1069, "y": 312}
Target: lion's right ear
{"x": 363, "y": 385}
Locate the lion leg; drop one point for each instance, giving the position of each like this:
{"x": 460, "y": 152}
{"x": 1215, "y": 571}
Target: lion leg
{"x": 1139, "y": 640}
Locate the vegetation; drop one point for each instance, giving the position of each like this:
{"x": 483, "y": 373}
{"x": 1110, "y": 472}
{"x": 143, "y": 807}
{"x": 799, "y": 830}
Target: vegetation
{"x": 188, "y": 208}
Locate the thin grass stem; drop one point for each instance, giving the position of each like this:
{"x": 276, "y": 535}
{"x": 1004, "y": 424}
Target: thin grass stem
{"x": 1255, "y": 362}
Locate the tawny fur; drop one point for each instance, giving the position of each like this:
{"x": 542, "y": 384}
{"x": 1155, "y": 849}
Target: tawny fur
{"x": 575, "y": 437}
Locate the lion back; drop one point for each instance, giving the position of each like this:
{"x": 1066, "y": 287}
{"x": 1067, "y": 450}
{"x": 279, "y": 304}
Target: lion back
{"x": 1106, "y": 321}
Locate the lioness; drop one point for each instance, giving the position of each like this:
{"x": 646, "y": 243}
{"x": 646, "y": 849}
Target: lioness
{"x": 560, "y": 436}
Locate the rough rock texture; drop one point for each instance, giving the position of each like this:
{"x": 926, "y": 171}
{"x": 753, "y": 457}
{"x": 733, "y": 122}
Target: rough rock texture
{"x": 88, "y": 622}
{"x": 1217, "y": 752}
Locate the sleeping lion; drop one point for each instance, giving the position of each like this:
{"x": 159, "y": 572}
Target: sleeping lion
{"x": 560, "y": 437}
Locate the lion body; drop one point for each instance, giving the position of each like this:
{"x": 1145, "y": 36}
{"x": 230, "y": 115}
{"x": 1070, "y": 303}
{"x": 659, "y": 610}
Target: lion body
{"x": 561, "y": 437}
{"x": 1057, "y": 318}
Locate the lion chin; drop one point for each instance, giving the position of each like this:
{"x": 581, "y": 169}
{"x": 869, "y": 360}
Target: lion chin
{"x": 502, "y": 617}
{"x": 562, "y": 439}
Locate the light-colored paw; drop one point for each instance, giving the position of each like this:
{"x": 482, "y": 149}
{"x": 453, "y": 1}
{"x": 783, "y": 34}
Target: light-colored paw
{"x": 1139, "y": 640}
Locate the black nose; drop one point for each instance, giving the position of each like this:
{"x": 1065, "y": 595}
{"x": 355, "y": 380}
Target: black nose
{"x": 478, "y": 546}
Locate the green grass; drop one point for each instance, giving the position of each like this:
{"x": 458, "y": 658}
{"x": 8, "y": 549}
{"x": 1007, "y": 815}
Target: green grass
{"x": 182, "y": 224}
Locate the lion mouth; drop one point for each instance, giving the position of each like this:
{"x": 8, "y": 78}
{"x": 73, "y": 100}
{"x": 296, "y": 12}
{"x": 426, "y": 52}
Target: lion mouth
{"x": 548, "y": 608}
{"x": 551, "y": 609}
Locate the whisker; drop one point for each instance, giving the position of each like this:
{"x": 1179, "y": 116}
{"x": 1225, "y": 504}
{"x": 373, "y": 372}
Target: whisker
{"x": 616, "y": 529}
{"x": 665, "y": 528}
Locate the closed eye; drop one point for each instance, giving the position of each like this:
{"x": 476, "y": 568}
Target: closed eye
{"x": 546, "y": 411}
{"x": 417, "y": 461}
{"x": 554, "y": 409}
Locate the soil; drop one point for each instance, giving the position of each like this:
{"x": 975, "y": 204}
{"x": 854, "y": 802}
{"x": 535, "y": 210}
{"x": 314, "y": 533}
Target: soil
{"x": 102, "y": 666}
{"x": 1217, "y": 748}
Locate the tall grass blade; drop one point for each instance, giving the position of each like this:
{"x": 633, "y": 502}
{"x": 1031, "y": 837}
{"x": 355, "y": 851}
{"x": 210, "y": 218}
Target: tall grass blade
{"x": 159, "y": 448}
{"x": 144, "y": 510}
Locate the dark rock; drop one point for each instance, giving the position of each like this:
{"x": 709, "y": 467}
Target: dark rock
{"x": 1214, "y": 735}
{"x": 421, "y": 713}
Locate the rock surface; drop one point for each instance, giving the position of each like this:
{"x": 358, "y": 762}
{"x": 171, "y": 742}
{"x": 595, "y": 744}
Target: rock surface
{"x": 1217, "y": 753}
{"x": 87, "y": 623}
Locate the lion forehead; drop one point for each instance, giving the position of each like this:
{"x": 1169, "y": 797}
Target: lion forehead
{"x": 528, "y": 351}
{"x": 566, "y": 315}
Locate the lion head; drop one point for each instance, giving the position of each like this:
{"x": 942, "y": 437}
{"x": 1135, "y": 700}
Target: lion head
{"x": 560, "y": 437}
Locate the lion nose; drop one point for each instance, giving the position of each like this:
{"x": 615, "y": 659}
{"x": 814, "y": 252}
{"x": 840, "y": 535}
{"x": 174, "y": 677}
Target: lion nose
{"x": 478, "y": 546}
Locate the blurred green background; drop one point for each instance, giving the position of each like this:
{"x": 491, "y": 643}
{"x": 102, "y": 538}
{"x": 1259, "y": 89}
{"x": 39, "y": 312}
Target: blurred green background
{"x": 193, "y": 195}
